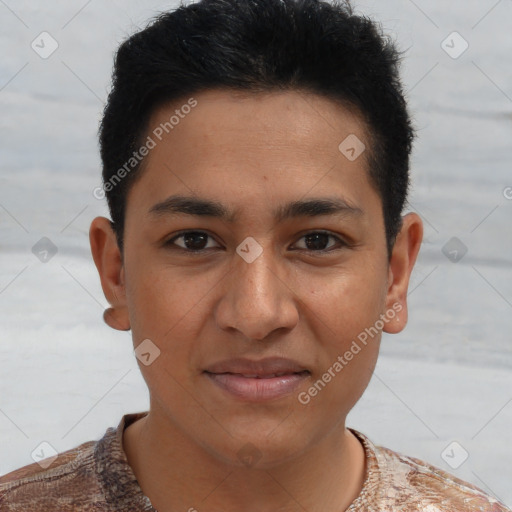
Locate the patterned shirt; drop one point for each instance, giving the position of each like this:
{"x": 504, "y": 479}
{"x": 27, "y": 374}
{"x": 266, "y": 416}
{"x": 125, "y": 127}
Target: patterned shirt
{"x": 96, "y": 476}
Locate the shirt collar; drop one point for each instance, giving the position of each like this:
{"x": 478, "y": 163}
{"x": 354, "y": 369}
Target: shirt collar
{"x": 122, "y": 490}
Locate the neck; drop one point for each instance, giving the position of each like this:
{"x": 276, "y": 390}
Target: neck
{"x": 178, "y": 474}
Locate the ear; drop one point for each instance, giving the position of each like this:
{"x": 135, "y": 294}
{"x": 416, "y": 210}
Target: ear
{"x": 108, "y": 261}
{"x": 403, "y": 258}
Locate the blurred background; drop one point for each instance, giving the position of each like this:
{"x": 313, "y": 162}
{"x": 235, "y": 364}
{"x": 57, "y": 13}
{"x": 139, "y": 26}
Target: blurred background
{"x": 442, "y": 389}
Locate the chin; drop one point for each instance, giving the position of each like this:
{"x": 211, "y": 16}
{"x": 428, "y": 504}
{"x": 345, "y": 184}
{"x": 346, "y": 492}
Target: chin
{"x": 257, "y": 449}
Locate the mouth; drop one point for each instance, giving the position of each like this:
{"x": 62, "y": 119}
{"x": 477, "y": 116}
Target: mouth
{"x": 260, "y": 375}
{"x": 252, "y": 368}
{"x": 257, "y": 387}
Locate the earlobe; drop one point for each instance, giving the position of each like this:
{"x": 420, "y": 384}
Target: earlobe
{"x": 108, "y": 261}
{"x": 116, "y": 319}
{"x": 403, "y": 258}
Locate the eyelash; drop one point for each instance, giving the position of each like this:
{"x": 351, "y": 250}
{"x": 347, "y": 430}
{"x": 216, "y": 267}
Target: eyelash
{"x": 170, "y": 243}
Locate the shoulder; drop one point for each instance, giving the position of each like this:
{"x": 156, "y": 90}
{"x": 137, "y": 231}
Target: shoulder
{"x": 48, "y": 483}
{"x": 410, "y": 483}
{"x": 437, "y": 488}
{"x": 92, "y": 477}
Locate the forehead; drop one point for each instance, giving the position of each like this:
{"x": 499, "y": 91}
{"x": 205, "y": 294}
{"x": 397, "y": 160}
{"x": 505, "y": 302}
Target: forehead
{"x": 234, "y": 143}
{"x": 294, "y": 118}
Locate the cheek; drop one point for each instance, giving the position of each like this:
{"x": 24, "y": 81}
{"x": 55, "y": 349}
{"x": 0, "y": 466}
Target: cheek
{"x": 167, "y": 312}
{"x": 170, "y": 309}
{"x": 346, "y": 302}
{"x": 161, "y": 299}
{"x": 342, "y": 312}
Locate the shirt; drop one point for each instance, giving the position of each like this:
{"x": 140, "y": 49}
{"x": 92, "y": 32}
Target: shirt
{"x": 95, "y": 476}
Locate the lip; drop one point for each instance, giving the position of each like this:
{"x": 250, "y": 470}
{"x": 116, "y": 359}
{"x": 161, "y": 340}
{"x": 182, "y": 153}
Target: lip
{"x": 261, "y": 368}
{"x": 253, "y": 380}
{"x": 255, "y": 389}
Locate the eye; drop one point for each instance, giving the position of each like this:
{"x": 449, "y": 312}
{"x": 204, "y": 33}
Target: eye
{"x": 317, "y": 240}
{"x": 193, "y": 241}
{"x": 197, "y": 241}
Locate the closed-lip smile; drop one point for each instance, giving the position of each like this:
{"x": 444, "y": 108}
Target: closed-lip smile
{"x": 269, "y": 366}
{"x": 257, "y": 380}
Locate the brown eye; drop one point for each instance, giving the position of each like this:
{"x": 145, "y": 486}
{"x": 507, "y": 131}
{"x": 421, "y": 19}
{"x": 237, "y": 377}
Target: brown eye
{"x": 317, "y": 241}
{"x": 193, "y": 241}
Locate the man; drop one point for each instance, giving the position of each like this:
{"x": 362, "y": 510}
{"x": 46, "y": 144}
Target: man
{"x": 256, "y": 164}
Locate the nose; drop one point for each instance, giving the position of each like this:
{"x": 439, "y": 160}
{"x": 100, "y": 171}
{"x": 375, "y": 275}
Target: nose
{"x": 257, "y": 298}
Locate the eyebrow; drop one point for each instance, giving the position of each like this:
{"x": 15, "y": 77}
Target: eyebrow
{"x": 189, "y": 205}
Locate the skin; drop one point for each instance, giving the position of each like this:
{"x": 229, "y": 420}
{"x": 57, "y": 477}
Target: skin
{"x": 253, "y": 153}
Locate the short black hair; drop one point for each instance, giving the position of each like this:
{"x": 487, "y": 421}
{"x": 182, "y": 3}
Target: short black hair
{"x": 314, "y": 46}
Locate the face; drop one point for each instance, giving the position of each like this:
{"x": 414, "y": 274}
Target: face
{"x": 279, "y": 251}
